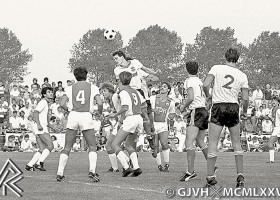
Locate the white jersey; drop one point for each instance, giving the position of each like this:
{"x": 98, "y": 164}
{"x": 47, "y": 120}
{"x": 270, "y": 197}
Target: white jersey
{"x": 43, "y": 109}
{"x": 227, "y": 83}
{"x": 277, "y": 118}
{"x": 199, "y": 97}
{"x": 133, "y": 67}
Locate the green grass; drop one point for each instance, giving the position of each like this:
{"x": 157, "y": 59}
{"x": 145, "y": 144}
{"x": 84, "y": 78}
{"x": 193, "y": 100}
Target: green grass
{"x": 149, "y": 185}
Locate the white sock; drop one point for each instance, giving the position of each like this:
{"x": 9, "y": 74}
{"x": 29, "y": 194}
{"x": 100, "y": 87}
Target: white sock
{"x": 92, "y": 156}
{"x": 34, "y": 159}
{"x": 113, "y": 160}
{"x": 62, "y": 163}
{"x": 271, "y": 155}
{"x": 165, "y": 155}
{"x": 44, "y": 155}
{"x": 134, "y": 160}
{"x": 122, "y": 158}
{"x": 158, "y": 159}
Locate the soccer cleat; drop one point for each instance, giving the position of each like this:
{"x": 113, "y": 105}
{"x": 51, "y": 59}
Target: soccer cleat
{"x": 136, "y": 172}
{"x": 160, "y": 168}
{"x": 40, "y": 167}
{"x": 60, "y": 178}
{"x": 126, "y": 172}
{"x": 240, "y": 181}
{"x": 188, "y": 176}
{"x": 28, "y": 168}
{"x": 113, "y": 170}
{"x": 210, "y": 182}
{"x": 166, "y": 168}
{"x": 270, "y": 161}
{"x": 94, "y": 176}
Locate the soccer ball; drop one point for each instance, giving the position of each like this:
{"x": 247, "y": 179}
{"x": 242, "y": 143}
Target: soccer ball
{"x": 109, "y": 34}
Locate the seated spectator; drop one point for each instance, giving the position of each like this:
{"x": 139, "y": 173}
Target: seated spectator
{"x": 20, "y": 104}
{"x": 46, "y": 83}
{"x": 14, "y": 121}
{"x": 10, "y": 144}
{"x": 59, "y": 93}
{"x": 4, "y": 103}
{"x": 26, "y": 144}
{"x": 26, "y": 109}
{"x": 267, "y": 125}
{"x": 54, "y": 107}
{"x": 56, "y": 146}
{"x": 77, "y": 145}
{"x": 102, "y": 143}
{"x": 227, "y": 142}
{"x": 23, "y": 121}
{"x": 258, "y": 129}
{"x": 2, "y": 89}
{"x": 13, "y": 106}
{"x": 254, "y": 144}
{"x": 60, "y": 113}
{"x": 14, "y": 93}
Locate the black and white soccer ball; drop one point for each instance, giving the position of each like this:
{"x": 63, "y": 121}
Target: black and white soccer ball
{"x": 110, "y": 34}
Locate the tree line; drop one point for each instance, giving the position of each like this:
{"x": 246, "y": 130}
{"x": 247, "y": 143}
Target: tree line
{"x": 158, "y": 48}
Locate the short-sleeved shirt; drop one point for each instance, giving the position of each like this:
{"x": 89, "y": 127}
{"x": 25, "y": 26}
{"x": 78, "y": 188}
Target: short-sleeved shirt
{"x": 81, "y": 96}
{"x": 133, "y": 99}
{"x": 199, "y": 97}
{"x": 227, "y": 83}
{"x": 43, "y": 109}
{"x": 134, "y": 68}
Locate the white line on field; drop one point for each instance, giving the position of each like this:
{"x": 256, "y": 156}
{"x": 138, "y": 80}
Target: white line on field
{"x": 101, "y": 185}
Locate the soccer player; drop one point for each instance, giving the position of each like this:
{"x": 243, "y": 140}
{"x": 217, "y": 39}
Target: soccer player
{"x": 228, "y": 81}
{"x": 79, "y": 97}
{"x": 163, "y": 108}
{"x": 140, "y": 74}
{"x": 43, "y": 138}
{"x": 276, "y": 132}
{"x": 197, "y": 119}
{"x": 131, "y": 101}
{"x": 108, "y": 91}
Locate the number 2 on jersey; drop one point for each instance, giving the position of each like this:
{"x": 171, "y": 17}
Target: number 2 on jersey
{"x": 227, "y": 86}
{"x": 81, "y": 97}
{"x": 135, "y": 99}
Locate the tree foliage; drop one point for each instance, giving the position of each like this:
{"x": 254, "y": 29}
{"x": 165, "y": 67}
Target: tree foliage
{"x": 13, "y": 59}
{"x": 156, "y": 47}
{"x": 209, "y": 48}
{"x": 95, "y": 53}
{"x": 263, "y": 59}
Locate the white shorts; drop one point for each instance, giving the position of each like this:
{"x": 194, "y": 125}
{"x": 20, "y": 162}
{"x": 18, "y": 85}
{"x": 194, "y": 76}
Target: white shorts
{"x": 160, "y": 127}
{"x": 276, "y": 132}
{"x": 37, "y": 132}
{"x": 133, "y": 123}
{"x": 80, "y": 121}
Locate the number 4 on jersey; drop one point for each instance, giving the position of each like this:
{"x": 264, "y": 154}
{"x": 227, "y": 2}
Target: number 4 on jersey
{"x": 81, "y": 97}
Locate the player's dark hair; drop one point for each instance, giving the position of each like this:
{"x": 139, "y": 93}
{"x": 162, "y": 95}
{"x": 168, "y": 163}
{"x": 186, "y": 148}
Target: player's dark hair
{"x": 232, "y": 55}
{"x": 168, "y": 85}
{"x": 119, "y": 53}
{"x": 192, "y": 67}
{"x": 44, "y": 91}
{"x": 125, "y": 78}
{"x": 107, "y": 86}
{"x": 80, "y": 73}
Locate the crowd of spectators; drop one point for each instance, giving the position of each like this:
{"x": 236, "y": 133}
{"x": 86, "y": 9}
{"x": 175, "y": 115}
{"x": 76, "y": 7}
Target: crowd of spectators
{"x": 17, "y": 103}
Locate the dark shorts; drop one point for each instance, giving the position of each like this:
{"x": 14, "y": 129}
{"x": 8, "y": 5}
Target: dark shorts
{"x": 199, "y": 118}
{"x": 149, "y": 106}
{"x": 225, "y": 114}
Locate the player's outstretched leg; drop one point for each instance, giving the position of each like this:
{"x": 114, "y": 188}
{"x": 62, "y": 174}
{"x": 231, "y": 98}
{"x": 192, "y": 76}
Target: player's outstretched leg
{"x": 111, "y": 153}
{"x": 70, "y": 136}
{"x": 46, "y": 139}
{"x": 163, "y": 137}
{"x": 92, "y": 155}
{"x": 235, "y": 139}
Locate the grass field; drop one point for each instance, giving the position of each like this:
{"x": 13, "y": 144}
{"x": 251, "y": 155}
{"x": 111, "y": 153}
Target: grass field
{"x": 150, "y": 185}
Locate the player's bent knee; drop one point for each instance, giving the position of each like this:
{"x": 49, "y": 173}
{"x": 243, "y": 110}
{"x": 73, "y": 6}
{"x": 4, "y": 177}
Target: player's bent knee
{"x": 212, "y": 155}
{"x": 238, "y": 153}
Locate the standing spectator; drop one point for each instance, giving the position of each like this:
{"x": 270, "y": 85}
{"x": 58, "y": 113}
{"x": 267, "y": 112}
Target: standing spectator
{"x": 267, "y": 94}
{"x": 54, "y": 107}
{"x": 258, "y": 96}
{"x": 267, "y": 125}
{"x": 181, "y": 89}
{"x": 59, "y": 93}
{"x": 69, "y": 83}
{"x": 35, "y": 92}
{"x": 180, "y": 134}
{"x": 35, "y": 82}
{"x": 46, "y": 83}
